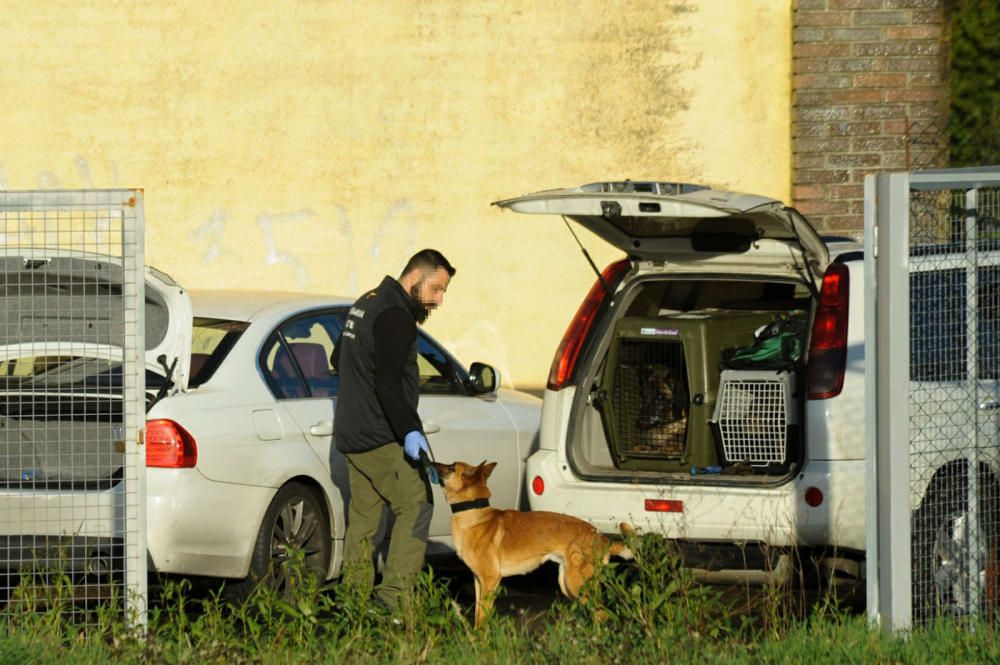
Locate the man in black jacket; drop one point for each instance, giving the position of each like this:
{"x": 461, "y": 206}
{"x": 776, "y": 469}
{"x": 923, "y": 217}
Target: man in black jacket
{"x": 376, "y": 358}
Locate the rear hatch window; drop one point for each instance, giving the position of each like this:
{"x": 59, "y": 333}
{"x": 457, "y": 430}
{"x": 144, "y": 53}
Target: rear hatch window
{"x": 61, "y": 421}
{"x": 61, "y": 424}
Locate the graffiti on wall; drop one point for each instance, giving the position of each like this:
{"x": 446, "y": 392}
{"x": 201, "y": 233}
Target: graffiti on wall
{"x": 275, "y": 227}
{"x": 216, "y": 237}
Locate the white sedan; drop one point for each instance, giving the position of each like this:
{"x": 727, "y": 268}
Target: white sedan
{"x": 257, "y": 417}
{"x": 241, "y": 466}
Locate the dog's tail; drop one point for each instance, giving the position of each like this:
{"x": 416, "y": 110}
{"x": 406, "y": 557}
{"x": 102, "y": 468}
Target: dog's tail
{"x": 620, "y": 549}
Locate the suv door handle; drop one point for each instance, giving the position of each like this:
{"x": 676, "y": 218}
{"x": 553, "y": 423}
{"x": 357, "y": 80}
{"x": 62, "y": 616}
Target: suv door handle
{"x": 989, "y": 405}
{"x": 322, "y": 428}
{"x": 431, "y": 428}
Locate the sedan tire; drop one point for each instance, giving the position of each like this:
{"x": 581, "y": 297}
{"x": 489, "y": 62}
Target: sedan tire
{"x": 294, "y": 540}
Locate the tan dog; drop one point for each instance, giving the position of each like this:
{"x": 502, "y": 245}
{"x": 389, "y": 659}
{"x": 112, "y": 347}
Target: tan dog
{"x": 497, "y": 543}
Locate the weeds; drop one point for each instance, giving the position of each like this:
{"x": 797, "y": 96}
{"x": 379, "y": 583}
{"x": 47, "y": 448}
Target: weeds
{"x": 650, "y": 610}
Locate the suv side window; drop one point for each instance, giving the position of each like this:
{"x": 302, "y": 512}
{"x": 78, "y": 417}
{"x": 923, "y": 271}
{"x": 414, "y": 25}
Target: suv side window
{"x": 938, "y": 324}
{"x": 296, "y": 358}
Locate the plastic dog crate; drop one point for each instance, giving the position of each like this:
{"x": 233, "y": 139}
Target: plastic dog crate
{"x": 658, "y": 388}
{"x": 756, "y": 418}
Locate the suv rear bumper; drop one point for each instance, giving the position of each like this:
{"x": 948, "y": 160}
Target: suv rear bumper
{"x": 776, "y": 516}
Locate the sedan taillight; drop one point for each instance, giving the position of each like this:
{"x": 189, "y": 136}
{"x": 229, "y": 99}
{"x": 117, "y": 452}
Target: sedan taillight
{"x": 169, "y": 446}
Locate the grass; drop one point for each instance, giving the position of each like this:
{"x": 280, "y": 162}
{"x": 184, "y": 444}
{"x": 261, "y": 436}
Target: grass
{"x": 650, "y": 612}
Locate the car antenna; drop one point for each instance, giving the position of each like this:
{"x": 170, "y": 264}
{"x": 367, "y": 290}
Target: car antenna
{"x": 604, "y": 283}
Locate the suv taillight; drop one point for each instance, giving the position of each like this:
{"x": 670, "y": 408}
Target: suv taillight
{"x": 828, "y": 349}
{"x": 169, "y": 446}
{"x": 572, "y": 341}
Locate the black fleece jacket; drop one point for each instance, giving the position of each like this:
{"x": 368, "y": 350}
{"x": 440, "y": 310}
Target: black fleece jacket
{"x": 376, "y": 358}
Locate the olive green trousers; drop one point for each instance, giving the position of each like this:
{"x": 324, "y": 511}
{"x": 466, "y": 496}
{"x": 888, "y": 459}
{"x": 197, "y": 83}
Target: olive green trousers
{"x": 384, "y": 477}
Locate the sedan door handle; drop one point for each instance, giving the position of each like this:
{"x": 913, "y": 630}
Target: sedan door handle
{"x": 431, "y": 428}
{"x": 989, "y": 405}
{"x": 322, "y": 428}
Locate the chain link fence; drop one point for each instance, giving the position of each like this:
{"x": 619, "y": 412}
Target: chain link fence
{"x": 950, "y": 142}
{"x": 937, "y": 286}
{"x": 954, "y": 407}
{"x": 72, "y": 387}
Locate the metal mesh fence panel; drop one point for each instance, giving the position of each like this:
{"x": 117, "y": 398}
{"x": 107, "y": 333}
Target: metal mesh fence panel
{"x": 925, "y": 144}
{"x": 954, "y": 141}
{"x": 72, "y": 387}
{"x": 954, "y": 273}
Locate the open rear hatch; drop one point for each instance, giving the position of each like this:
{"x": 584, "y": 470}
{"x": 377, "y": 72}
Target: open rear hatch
{"x": 681, "y": 380}
{"x": 62, "y": 328}
{"x": 675, "y": 221}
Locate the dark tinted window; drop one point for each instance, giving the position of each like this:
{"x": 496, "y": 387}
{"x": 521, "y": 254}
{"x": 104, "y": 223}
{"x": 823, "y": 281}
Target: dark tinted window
{"x": 437, "y": 375}
{"x": 939, "y": 316}
{"x": 211, "y": 341}
{"x": 66, "y": 374}
{"x": 296, "y": 359}
{"x": 662, "y": 297}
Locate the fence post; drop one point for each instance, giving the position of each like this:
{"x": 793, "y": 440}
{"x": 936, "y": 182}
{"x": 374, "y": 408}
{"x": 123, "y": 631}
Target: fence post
{"x": 889, "y": 477}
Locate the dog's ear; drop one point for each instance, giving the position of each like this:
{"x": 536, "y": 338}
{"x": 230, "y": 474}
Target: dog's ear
{"x": 479, "y": 471}
{"x": 487, "y": 470}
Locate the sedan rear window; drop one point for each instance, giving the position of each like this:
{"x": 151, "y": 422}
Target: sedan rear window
{"x": 211, "y": 341}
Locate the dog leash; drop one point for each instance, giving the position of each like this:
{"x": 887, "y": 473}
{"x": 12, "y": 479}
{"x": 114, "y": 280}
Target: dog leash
{"x": 432, "y": 474}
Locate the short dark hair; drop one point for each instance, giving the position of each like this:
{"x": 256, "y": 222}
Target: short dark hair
{"x": 428, "y": 259}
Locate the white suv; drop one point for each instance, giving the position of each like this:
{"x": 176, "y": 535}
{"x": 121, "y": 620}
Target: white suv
{"x": 711, "y": 386}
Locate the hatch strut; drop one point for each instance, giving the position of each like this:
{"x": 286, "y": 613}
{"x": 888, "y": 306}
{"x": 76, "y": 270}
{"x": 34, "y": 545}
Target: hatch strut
{"x": 604, "y": 284}
{"x": 810, "y": 277}
{"x": 168, "y": 380}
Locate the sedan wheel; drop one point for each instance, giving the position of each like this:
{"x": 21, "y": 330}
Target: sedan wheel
{"x": 293, "y": 541}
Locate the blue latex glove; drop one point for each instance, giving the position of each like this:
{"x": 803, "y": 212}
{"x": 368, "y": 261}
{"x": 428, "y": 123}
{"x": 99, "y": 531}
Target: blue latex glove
{"x": 413, "y": 443}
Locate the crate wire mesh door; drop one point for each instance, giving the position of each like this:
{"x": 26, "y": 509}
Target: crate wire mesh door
{"x": 938, "y": 257}
{"x": 72, "y": 497}
{"x": 753, "y": 415}
{"x": 650, "y": 395}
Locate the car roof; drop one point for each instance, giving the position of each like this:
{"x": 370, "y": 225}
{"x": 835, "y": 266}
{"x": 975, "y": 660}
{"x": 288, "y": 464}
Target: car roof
{"x": 841, "y": 246}
{"x": 246, "y": 305}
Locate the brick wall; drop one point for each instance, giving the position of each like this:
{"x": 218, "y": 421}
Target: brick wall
{"x": 869, "y": 94}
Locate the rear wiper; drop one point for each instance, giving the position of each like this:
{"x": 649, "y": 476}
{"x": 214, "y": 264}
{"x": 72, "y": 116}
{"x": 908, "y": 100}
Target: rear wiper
{"x": 600, "y": 277}
{"x": 168, "y": 380}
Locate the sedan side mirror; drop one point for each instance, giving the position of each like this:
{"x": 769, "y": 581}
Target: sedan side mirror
{"x": 483, "y": 378}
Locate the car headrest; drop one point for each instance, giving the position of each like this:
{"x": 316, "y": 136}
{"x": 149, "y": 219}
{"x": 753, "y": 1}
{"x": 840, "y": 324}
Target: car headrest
{"x": 312, "y": 359}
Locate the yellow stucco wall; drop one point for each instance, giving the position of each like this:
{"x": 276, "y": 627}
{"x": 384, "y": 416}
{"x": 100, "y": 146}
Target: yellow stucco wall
{"x": 313, "y": 145}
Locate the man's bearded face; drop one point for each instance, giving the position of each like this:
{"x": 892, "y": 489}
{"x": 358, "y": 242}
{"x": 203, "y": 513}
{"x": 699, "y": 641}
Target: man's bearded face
{"x": 429, "y": 290}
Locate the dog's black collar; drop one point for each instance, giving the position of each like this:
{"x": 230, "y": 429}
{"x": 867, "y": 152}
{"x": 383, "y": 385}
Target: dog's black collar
{"x": 470, "y": 505}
